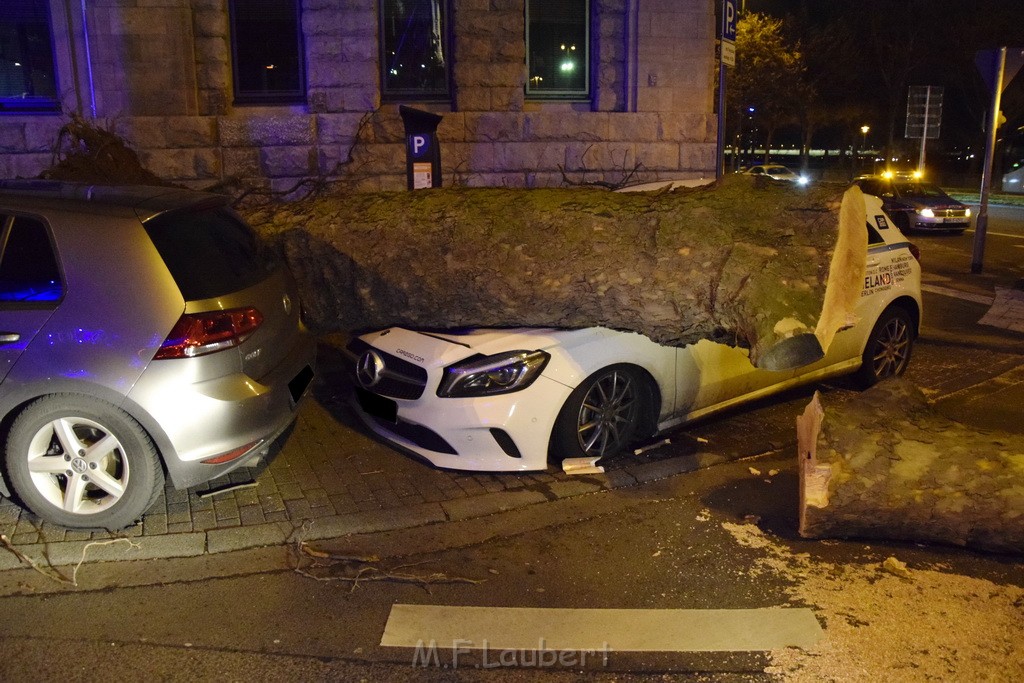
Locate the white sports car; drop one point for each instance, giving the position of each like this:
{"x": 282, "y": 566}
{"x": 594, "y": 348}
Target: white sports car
{"x": 508, "y": 399}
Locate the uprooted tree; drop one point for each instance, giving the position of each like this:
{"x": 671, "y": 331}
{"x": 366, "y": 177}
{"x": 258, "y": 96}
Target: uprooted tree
{"x": 886, "y": 465}
{"x": 757, "y": 265}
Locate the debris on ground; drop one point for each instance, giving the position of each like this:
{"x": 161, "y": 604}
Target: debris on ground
{"x": 651, "y": 446}
{"x": 582, "y": 466}
{"x": 894, "y": 566}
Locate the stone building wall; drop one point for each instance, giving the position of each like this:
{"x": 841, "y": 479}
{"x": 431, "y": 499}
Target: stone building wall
{"x": 161, "y": 77}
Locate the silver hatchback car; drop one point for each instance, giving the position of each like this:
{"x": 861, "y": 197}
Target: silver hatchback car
{"x": 140, "y": 334}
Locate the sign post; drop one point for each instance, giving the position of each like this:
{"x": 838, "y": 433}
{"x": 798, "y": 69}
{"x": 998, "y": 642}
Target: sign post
{"x": 924, "y": 116}
{"x": 998, "y": 68}
{"x": 726, "y": 57}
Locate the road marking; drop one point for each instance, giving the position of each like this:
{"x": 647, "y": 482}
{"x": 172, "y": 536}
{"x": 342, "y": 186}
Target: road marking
{"x": 957, "y": 294}
{"x": 531, "y": 629}
{"x": 998, "y": 234}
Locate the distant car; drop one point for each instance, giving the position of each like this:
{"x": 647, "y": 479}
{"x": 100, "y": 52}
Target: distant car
{"x": 776, "y": 172}
{"x": 139, "y": 333}
{"x": 917, "y": 205}
{"x": 1013, "y": 181}
{"x": 510, "y": 399}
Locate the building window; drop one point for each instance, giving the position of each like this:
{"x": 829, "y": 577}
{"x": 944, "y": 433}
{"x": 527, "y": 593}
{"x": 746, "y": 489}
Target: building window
{"x": 266, "y": 43}
{"x": 414, "y": 49}
{"x": 28, "y": 80}
{"x": 558, "y": 49}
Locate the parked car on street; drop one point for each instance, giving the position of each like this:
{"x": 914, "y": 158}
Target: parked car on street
{"x": 140, "y": 334}
{"x": 917, "y": 205}
{"x": 776, "y": 172}
{"x": 508, "y": 399}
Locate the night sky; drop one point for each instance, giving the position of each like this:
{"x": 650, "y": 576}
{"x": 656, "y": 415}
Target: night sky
{"x": 935, "y": 42}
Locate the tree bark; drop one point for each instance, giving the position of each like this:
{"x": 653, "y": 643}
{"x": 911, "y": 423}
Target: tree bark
{"x": 886, "y": 465}
{"x": 760, "y": 265}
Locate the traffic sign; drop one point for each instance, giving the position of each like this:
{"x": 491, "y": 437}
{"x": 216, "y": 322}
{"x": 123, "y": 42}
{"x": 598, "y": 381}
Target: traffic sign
{"x": 924, "y": 112}
{"x": 987, "y": 62}
{"x": 728, "y": 53}
{"x": 729, "y": 18}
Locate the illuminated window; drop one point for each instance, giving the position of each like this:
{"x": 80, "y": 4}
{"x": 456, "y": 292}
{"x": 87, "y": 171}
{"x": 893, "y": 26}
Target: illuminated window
{"x": 557, "y": 49}
{"x": 266, "y": 43}
{"x": 28, "y": 80}
{"x": 414, "y": 49}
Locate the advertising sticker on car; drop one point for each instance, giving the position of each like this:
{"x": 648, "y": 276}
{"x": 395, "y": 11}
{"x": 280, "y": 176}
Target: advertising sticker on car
{"x": 881, "y": 222}
{"x": 884, "y": 277}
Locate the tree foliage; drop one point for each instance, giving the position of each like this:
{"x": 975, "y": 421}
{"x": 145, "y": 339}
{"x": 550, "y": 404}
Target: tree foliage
{"x": 769, "y": 77}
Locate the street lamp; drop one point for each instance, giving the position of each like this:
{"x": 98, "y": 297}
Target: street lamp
{"x": 864, "y": 137}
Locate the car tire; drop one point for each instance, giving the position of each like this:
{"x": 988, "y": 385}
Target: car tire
{"x": 603, "y": 415}
{"x": 80, "y": 462}
{"x": 888, "y": 350}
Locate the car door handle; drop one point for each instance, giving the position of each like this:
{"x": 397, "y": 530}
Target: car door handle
{"x": 9, "y": 337}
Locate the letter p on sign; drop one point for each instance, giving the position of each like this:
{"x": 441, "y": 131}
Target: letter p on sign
{"x": 420, "y": 144}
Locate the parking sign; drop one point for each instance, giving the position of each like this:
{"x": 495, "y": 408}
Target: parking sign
{"x": 729, "y": 20}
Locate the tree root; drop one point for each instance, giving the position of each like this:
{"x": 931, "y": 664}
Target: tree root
{"x": 353, "y": 570}
{"x": 50, "y": 572}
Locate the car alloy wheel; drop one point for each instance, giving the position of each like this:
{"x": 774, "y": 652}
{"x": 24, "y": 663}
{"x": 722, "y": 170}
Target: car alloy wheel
{"x": 80, "y": 462}
{"x": 888, "y": 350}
{"x": 602, "y": 415}
{"x": 76, "y": 464}
{"x": 608, "y": 414}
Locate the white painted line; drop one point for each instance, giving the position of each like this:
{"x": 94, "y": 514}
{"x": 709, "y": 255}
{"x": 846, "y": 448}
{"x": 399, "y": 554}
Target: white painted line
{"x": 623, "y": 630}
{"x": 998, "y": 234}
{"x": 957, "y": 294}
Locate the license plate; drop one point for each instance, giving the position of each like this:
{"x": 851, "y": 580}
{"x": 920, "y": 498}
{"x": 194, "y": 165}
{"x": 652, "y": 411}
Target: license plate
{"x": 377, "y": 406}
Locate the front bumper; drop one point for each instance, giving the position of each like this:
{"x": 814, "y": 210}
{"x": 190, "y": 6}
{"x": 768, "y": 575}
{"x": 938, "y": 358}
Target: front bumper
{"x": 508, "y": 432}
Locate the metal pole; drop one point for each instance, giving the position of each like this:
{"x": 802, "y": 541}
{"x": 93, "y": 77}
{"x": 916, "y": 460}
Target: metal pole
{"x": 924, "y": 129}
{"x": 720, "y": 160}
{"x": 981, "y": 226}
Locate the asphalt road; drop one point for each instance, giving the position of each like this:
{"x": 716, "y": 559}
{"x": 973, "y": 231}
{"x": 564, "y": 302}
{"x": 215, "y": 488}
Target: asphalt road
{"x": 1008, "y": 220}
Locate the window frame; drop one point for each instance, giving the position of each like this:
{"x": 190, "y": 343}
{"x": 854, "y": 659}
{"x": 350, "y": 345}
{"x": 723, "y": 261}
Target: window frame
{"x": 576, "y": 95}
{"x": 297, "y": 96}
{"x": 7, "y": 222}
{"x": 412, "y": 94}
{"x": 46, "y": 105}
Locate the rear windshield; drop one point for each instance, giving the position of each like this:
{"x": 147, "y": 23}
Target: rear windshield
{"x": 210, "y": 252}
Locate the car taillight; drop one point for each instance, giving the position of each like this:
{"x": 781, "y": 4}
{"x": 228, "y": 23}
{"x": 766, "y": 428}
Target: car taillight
{"x": 196, "y": 334}
{"x": 914, "y": 251}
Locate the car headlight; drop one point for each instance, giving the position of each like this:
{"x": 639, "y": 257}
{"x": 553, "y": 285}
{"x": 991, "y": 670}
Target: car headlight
{"x": 927, "y": 213}
{"x": 967, "y": 213}
{"x": 501, "y": 373}
{"x": 802, "y": 180}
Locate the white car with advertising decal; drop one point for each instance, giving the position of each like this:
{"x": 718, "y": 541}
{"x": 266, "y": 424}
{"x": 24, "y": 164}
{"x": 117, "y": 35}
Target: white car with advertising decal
{"x": 515, "y": 399}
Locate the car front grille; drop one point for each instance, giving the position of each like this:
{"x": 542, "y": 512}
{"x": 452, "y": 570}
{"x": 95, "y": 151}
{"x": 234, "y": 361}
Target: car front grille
{"x": 398, "y": 379}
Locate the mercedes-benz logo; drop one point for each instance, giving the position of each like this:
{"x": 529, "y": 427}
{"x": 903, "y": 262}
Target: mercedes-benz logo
{"x": 369, "y": 369}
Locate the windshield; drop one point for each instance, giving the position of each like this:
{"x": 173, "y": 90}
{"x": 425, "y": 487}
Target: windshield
{"x": 918, "y": 190}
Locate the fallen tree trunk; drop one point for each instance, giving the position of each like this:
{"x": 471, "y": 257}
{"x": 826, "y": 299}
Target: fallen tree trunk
{"x": 760, "y": 265}
{"x": 886, "y": 465}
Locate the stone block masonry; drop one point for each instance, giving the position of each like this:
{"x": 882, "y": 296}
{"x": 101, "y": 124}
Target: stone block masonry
{"x": 169, "y": 94}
